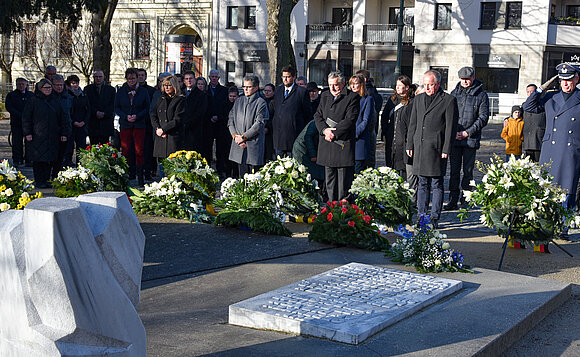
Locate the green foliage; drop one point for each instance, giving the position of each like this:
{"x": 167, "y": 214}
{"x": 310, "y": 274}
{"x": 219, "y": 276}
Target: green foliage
{"x": 105, "y": 162}
{"x": 426, "y": 250}
{"x": 199, "y": 179}
{"x": 299, "y": 191}
{"x": 383, "y": 194}
{"x": 256, "y": 220}
{"x": 344, "y": 224}
{"x": 523, "y": 188}
{"x": 73, "y": 182}
{"x": 167, "y": 198}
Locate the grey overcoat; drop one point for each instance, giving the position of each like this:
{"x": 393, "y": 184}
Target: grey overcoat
{"x": 247, "y": 118}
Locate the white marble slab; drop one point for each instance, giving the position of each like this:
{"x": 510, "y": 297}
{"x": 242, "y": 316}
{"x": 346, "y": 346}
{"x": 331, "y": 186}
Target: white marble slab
{"x": 346, "y": 304}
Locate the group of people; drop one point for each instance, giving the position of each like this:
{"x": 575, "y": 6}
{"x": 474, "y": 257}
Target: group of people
{"x": 332, "y": 133}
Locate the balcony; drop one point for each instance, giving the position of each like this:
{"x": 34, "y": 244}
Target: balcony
{"x": 563, "y": 34}
{"x": 329, "y": 33}
{"x": 387, "y": 33}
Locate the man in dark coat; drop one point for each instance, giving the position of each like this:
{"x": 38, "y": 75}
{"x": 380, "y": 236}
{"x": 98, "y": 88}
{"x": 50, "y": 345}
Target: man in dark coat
{"x": 292, "y": 110}
{"x": 195, "y": 109}
{"x": 15, "y": 102}
{"x": 534, "y": 129}
{"x": 216, "y": 124}
{"x": 336, "y": 122}
{"x": 473, "y": 105}
{"x": 102, "y": 103}
{"x": 432, "y": 130}
{"x": 561, "y": 142}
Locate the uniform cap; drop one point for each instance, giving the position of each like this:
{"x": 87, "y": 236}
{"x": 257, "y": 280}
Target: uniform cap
{"x": 567, "y": 71}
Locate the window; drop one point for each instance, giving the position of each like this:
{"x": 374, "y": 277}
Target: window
{"x": 250, "y": 20}
{"x": 232, "y": 17}
{"x": 573, "y": 10}
{"x": 241, "y": 17}
{"x": 142, "y": 40}
{"x": 319, "y": 69}
{"x": 443, "y": 17}
{"x": 248, "y": 68}
{"x": 231, "y": 71}
{"x": 407, "y": 19}
{"x": 342, "y": 16}
{"x": 514, "y": 15}
{"x": 64, "y": 40}
{"x": 444, "y": 71}
{"x": 29, "y": 40}
{"x": 488, "y": 15}
{"x": 498, "y": 80}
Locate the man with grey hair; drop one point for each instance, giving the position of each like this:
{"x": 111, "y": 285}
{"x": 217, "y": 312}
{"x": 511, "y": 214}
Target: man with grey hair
{"x": 102, "y": 102}
{"x": 215, "y": 124}
{"x": 49, "y": 72}
{"x": 246, "y": 127}
{"x": 336, "y": 122}
{"x": 432, "y": 130}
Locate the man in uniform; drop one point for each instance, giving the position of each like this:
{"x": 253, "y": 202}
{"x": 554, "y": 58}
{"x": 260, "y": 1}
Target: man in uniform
{"x": 561, "y": 142}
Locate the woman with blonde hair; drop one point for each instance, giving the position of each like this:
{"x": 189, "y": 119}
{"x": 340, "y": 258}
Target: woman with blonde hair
{"x": 167, "y": 119}
{"x": 364, "y": 123}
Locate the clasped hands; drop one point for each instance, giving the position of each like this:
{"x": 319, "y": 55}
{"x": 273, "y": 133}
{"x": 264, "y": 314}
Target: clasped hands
{"x": 239, "y": 139}
{"x": 160, "y": 133}
{"x": 328, "y": 134}
{"x": 443, "y": 155}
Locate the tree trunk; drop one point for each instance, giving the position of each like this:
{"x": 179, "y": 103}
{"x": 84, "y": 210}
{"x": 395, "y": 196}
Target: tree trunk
{"x": 280, "y": 51}
{"x": 101, "y": 28}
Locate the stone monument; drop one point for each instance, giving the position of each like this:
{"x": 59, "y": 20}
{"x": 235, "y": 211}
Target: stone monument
{"x": 346, "y": 304}
{"x": 70, "y": 276}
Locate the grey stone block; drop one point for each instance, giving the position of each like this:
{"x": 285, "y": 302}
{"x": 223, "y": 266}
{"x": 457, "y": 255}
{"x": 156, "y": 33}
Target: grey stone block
{"x": 70, "y": 275}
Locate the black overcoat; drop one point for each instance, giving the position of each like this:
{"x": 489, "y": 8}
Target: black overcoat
{"x": 195, "y": 112}
{"x": 44, "y": 119}
{"x": 432, "y": 129}
{"x": 343, "y": 110}
{"x": 168, "y": 115}
{"x": 534, "y": 129}
{"x": 290, "y": 116}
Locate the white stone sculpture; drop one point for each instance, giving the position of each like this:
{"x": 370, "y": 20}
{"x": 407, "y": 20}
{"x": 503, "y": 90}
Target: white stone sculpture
{"x": 70, "y": 276}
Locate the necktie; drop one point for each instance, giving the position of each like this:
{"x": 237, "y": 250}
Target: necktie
{"x": 286, "y": 92}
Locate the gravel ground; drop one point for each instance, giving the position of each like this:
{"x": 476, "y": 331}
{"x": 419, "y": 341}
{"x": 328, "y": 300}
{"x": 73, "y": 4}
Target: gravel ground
{"x": 559, "y": 333}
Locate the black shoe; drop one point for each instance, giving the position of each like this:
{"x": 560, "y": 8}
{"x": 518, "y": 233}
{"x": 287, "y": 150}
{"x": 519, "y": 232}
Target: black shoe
{"x": 451, "y": 206}
{"x": 435, "y": 223}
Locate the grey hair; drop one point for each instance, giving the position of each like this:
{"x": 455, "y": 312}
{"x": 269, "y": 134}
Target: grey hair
{"x": 254, "y": 79}
{"x": 57, "y": 78}
{"x": 435, "y": 75}
{"x": 214, "y": 71}
{"x": 302, "y": 78}
{"x": 336, "y": 74}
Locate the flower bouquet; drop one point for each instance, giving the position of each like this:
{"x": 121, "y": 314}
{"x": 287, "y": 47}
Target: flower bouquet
{"x": 344, "y": 223}
{"x": 251, "y": 202}
{"x": 199, "y": 179}
{"x": 297, "y": 187}
{"x": 73, "y": 182}
{"x": 15, "y": 189}
{"x": 385, "y": 195}
{"x": 525, "y": 189}
{"x": 168, "y": 198}
{"x": 105, "y": 162}
{"x": 426, "y": 250}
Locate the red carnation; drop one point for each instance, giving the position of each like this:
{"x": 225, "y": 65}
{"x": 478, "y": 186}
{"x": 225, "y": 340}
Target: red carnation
{"x": 351, "y": 223}
{"x": 344, "y": 209}
{"x": 334, "y": 203}
{"x": 343, "y": 201}
{"x": 367, "y": 218}
{"x": 329, "y": 217}
{"x": 354, "y": 207}
{"x": 323, "y": 210}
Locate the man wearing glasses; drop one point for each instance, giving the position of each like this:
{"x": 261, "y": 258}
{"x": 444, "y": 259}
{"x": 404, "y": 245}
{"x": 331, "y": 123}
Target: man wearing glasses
{"x": 292, "y": 111}
{"x": 246, "y": 126}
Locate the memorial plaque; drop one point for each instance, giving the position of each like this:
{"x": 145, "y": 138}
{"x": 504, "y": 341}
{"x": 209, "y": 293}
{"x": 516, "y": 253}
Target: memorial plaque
{"x": 346, "y": 304}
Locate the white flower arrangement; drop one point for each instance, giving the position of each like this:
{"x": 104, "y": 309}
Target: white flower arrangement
{"x": 74, "y": 181}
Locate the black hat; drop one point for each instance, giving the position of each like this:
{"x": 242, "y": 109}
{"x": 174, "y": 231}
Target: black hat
{"x": 567, "y": 71}
{"x": 516, "y": 107}
{"x": 312, "y": 86}
{"x": 466, "y": 72}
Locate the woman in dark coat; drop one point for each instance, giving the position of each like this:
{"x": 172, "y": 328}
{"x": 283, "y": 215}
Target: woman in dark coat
{"x": 364, "y": 123}
{"x": 167, "y": 119}
{"x": 396, "y": 114}
{"x": 80, "y": 115}
{"x": 269, "y": 90}
{"x": 132, "y": 107}
{"x": 44, "y": 127}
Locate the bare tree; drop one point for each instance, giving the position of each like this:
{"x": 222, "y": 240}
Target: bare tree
{"x": 280, "y": 51}
{"x": 76, "y": 49}
{"x": 7, "y": 56}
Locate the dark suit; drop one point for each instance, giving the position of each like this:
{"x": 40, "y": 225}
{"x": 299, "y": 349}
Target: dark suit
{"x": 15, "y": 102}
{"x": 561, "y": 142}
{"x": 100, "y": 129}
{"x": 338, "y": 160}
{"x": 432, "y": 130}
{"x": 534, "y": 129}
{"x": 216, "y": 106}
{"x": 290, "y": 116}
{"x": 195, "y": 113}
